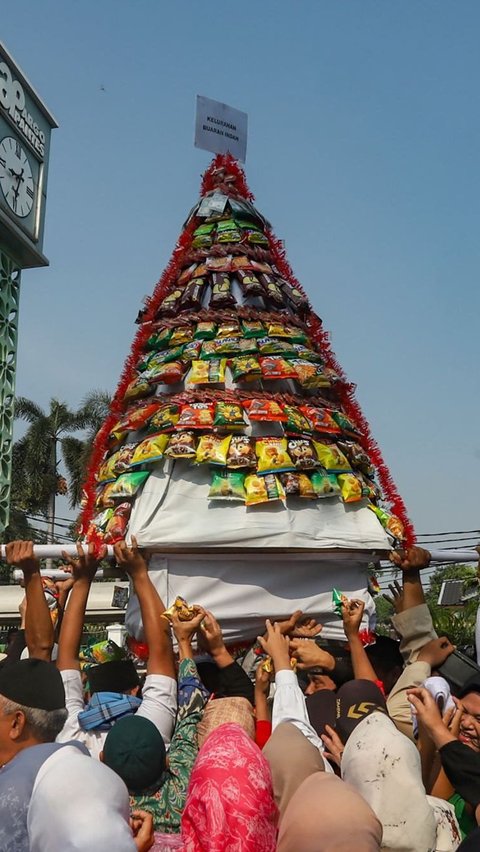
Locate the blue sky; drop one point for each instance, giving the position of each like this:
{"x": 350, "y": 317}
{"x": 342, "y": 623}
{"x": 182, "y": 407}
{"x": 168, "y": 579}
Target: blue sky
{"x": 363, "y": 153}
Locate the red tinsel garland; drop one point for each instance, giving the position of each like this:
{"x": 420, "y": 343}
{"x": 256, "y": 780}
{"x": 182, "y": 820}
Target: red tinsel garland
{"x": 211, "y": 179}
{"x": 346, "y": 393}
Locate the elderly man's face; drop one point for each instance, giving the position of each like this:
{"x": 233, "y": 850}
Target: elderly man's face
{"x": 470, "y": 724}
{"x": 9, "y": 730}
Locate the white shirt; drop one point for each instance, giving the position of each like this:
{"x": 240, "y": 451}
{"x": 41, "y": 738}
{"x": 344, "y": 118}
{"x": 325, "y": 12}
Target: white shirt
{"x": 159, "y": 704}
{"x": 78, "y": 805}
{"x": 289, "y": 706}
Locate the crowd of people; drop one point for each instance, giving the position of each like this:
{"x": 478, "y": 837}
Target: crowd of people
{"x": 295, "y": 747}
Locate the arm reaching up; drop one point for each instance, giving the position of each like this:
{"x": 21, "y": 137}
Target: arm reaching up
{"x": 352, "y": 612}
{"x": 38, "y": 623}
{"x": 83, "y": 571}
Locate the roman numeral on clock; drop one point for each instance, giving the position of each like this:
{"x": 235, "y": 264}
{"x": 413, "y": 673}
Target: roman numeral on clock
{"x": 30, "y": 191}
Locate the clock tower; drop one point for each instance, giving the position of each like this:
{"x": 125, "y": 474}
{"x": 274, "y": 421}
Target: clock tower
{"x": 25, "y": 130}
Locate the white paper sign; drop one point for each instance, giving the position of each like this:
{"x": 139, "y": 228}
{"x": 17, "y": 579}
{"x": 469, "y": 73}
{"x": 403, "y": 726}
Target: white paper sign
{"x": 220, "y": 128}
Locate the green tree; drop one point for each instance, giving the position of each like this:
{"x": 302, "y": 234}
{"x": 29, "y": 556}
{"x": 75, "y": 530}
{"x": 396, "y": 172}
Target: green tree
{"x": 457, "y": 623}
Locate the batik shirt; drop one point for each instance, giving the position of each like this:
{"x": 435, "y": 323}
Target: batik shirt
{"x": 167, "y": 803}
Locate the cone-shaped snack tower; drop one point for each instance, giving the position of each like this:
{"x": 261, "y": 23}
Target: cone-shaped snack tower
{"x": 233, "y": 428}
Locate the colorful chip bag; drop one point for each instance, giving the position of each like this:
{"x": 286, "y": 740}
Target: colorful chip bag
{"x": 218, "y": 264}
{"x": 331, "y": 458}
{"x": 229, "y": 415}
{"x": 264, "y": 409}
{"x": 390, "y": 522}
{"x": 205, "y": 331}
{"x": 196, "y": 415}
{"x": 302, "y": 453}
{"x": 272, "y": 290}
{"x": 182, "y": 445}
{"x": 253, "y": 328}
{"x": 271, "y": 346}
{"x": 297, "y": 423}
{"x": 227, "y": 485}
{"x": 135, "y": 418}
{"x": 293, "y": 294}
{"x": 186, "y": 274}
{"x": 165, "y": 419}
{"x": 221, "y": 296}
{"x": 126, "y": 486}
{"x": 228, "y": 329}
{"x": 213, "y": 449}
{"x": 241, "y": 452}
{"x": 303, "y": 352}
{"x": 245, "y": 368}
{"x": 193, "y": 294}
{"x": 263, "y": 489}
{"x": 166, "y": 374}
{"x": 297, "y": 485}
{"x": 138, "y": 388}
{"x": 159, "y": 340}
{"x": 171, "y": 303}
{"x": 223, "y": 347}
{"x": 325, "y": 484}
{"x": 210, "y": 372}
{"x": 191, "y": 351}
{"x": 321, "y": 419}
{"x": 345, "y": 424}
{"x": 309, "y": 375}
{"x": 272, "y": 455}
{"x": 249, "y": 283}
{"x": 150, "y": 450}
{"x": 350, "y": 487}
{"x": 357, "y": 456}
{"x": 275, "y": 367}
{"x": 180, "y": 335}
{"x": 117, "y": 525}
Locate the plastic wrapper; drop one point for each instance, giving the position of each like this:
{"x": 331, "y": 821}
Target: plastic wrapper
{"x": 106, "y": 471}
{"x": 297, "y": 423}
{"x": 331, "y": 458}
{"x": 307, "y": 354}
{"x": 264, "y": 409}
{"x": 229, "y": 415}
{"x": 228, "y": 329}
{"x": 297, "y": 485}
{"x": 253, "y": 328}
{"x": 206, "y": 228}
{"x": 218, "y": 264}
{"x": 302, "y": 453}
{"x": 261, "y": 266}
{"x": 186, "y": 274}
{"x": 227, "y": 485}
{"x": 325, "y": 484}
{"x": 275, "y": 367}
{"x": 271, "y": 346}
{"x": 166, "y": 418}
{"x": 241, "y": 262}
{"x": 202, "y": 241}
{"x": 193, "y": 294}
{"x": 126, "y": 486}
{"x": 210, "y": 372}
{"x": 166, "y": 374}
{"x": 350, "y": 487}
{"x": 182, "y": 609}
{"x": 221, "y": 295}
{"x": 338, "y": 598}
{"x": 346, "y": 425}
{"x": 182, "y": 445}
{"x": 294, "y": 296}
{"x": 249, "y": 283}
{"x": 101, "y": 519}
{"x": 205, "y": 331}
{"x": 117, "y": 525}
{"x": 310, "y": 375}
{"x": 230, "y": 235}
{"x": 150, "y": 450}
{"x": 135, "y": 418}
{"x": 241, "y": 452}
{"x": 256, "y": 238}
{"x": 263, "y": 489}
{"x": 171, "y": 303}
{"x": 191, "y": 351}
{"x": 272, "y": 290}
{"x": 245, "y": 368}
{"x": 196, "y": 415}
{"x": 272, "y": 455}
{"x": 390, "y": 522}
{"x": 370, "y": 488}
{"x": 356, "y": 456}
{"x": 321, "y": 419}
{"x": 139, "y": 388}
{"x": 163, "y": 357}
{"x": 180, "y": 335}
{"x": 159, "y": 340}
{"x": 213, "y": 449}
{"x": 218, "y": 348}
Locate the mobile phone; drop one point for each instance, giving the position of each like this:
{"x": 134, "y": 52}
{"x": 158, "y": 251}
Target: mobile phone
{"x": 457, "y": 669}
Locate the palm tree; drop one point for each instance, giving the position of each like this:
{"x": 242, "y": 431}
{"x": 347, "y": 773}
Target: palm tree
{"x": 37, "y": 480}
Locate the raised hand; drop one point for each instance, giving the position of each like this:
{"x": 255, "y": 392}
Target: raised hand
{"x": 396, "y": 599}
{"x": 436, "y": 651}
{"x": 306, "y": 628}
{"x": 21, "y": 555}
{"x": 333, "y": 745}
{"x": 184, "y": 630}
{"x": 352, "y": 612}
{"x": 309, "y": 655}
{"x": 413, "y": 559}
{"x": 276, "y": 645}
{"x": 85, "y": 566}
{"x": 130, "y": 559}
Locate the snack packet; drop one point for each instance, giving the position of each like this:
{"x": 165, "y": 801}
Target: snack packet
{"x": 271, "y": 346}
{"x": 228, "y": 329}
{"x": 126, "y": 486}
{"x": 256, "y": 238}
{"x": 297, "y": 485}
{"x": 180, "y": 608}
{"x": 249, "y": 283}
{"x": 272, "y": 290}
{"x": 202, "y": 241}
{"x": 356, "y": 456}
{"x": 106, "y": 472}
{"x": 150, "y": 450}
{"x": 241, "y": 262}
{"x": 218, "y": 264}
{"x": 264, "y": 409}
{"x": 191, "y": 351}
{"x": 193, "y": 294}
{"x": 263, "y": 489}
{"x": 370, "y": 488}
{"x": 227, "y": 485}
{"x": 253, "y": 328}
{"x": 206, "y": 228}
{"x": 135, "y": 418}
{"x": 221, "y": 296}
{"x": 309, "y": 375}
{"x": 196, "y": 415}
{"x": 229, "y": 415}
{"x": 297, "y": 423}
{"x": 245, "y": 368}
{"x": 331, "y": 458}
{"x": 182, "y": 445}
{"x": 166, "y": 374}
{"x": 306, "y": 354}
{"x": 293, "y": 294}
{"x": 272, "y": 455}
{"x": 321, "y": 419}
{"x": 163, "y": 357}
{"x": 325, "y": 484}
{"x": 207, "y": 372}
{"x": 180, "y": 335}
{"x": 219, "y": 348}
{"x": 170, "y": 304}
{"x": 345, "y": 424}
{"x": 213, "y": 449}
{"x": 232, "y": 235}
{"x": 338, "y": 598}
{"x": 138, "y": 388}
{"x": 275, "y": 367}
{"x": 165, "y": 419}
{"x": 159, "y": 340}
{"x": 117, "y": 525}
{"x": 350, "y": 487}
{"x": 186, "y": 274}
{"x": 302, "y": 453}
{"x": 390, "y": 522}
{"x": 241, "y": 452}
{"x": 205, "y": 331}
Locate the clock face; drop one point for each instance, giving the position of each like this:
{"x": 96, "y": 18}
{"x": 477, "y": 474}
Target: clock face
{"x": 16, "y": 179}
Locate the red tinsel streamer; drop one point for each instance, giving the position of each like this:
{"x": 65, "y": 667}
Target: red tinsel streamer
{"x": 238, "y": 186}
{"x": 346, "y": 393}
